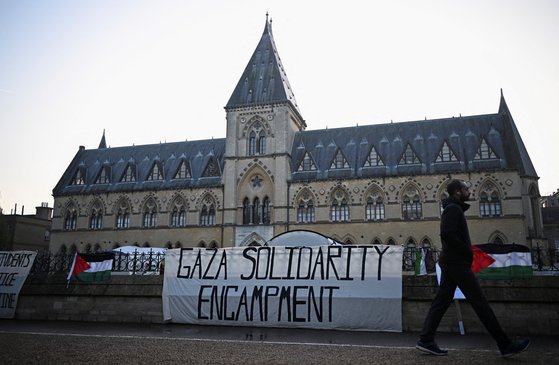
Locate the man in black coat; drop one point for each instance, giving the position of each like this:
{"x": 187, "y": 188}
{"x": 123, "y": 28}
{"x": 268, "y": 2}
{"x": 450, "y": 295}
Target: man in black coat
{"x": 456, "y": 271}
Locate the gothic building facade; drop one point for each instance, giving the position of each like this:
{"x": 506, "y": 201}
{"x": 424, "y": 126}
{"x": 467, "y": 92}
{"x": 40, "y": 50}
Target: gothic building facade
{"x": 378, "y": 184}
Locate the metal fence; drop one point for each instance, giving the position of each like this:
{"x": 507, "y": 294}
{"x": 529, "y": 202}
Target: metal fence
{"x": 152, "y": 263}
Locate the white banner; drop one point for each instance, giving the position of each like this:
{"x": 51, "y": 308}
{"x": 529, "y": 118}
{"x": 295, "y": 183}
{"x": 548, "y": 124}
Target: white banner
{"x": 329, "y": 287}
{"x": 14, "y": 268}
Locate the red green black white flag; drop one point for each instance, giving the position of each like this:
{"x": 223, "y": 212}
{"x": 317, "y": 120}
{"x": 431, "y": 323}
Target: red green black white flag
{"x": 502, "y": 262}
{"x": 92, "y": 267}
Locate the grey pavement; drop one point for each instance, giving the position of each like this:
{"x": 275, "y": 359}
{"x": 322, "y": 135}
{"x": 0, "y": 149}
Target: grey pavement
{"x": 57, "y": 342}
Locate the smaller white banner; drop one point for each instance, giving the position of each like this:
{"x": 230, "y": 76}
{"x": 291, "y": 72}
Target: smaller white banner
{"x": 14, "y": 268}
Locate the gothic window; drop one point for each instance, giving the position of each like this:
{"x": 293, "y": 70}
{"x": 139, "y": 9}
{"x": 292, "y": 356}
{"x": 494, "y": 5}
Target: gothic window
{"x": 339, "y": 161}
{"x": 79, "y": 178}
{"x": 266, "y": 210}
{"x": 446, "y": 154}
{"x": 207, "y": 212}
{"x": 498, "y": 240}
{"x": 246, "y": 211}
{"x": 129, "y": 174}
{"x": 373, "y": 159}
{"x": 339, "y": 210}
{"x": 489, "y": 201}
{"x": 156, "y": 173}
{"x": 183, "y": 171}
{"x": 256, "y": 211}
{"x": 257, "y": 140}
{"x": 87, "y": 248}
{"x": 426, "y": 243}
{"x": 305, "y": 209}
{"x": 377, "y": 242}
{"x": 149, "y": 217}
{"x": 70, "y": 219}
{"x": 411, "y": 204}
{"x": 178, "y": 214}
{"x": 212, "y": 169}
{"x": 484, "y": 151}
{"x": 307, "y": 164}
{"x": 390, "y": 242}
{"x": 122, "y": 217}
{"x": 375, "y": 207}
{"x": 97, "y": 248}
{"x": 409, "y": 156}
{"x": 96, "y": 217}
{"x": 103, "y": 177}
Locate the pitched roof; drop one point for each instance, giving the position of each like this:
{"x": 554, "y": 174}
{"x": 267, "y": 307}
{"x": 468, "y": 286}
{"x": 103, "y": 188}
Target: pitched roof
{"x": 464, "y": 136}
{"x": 168, "y": 156}
{"x": 264, "y": 80}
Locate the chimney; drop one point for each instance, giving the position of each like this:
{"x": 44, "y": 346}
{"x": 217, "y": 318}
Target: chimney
{"x": 44, "y": 212}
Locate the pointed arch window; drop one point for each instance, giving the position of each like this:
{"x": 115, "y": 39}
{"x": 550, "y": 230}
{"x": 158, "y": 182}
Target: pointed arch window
{"x": 484, "y": 151}
{"x": 256, "y": 211}
{"x": 409, "y": 157}
{"x": 257, "y": 140}
{"x": 183, "y": 171}
{"x": 498, "y": 240}
{"x": 375, "y": 207}
{"x": 307, "y": 164}
{"x": 377, "y": 242}
{"x": 104, "y": 175}
{"x": 305, "y": 209}
{"x": 489, "y": 201}
{"x": 129, "y": 174}
{"x": 339, "y": 210}
{"x": 96, "y": 218}
{"x": 70, "y": 219}
{"x": 266, "y": 210}
{"x": 122, "y": 218}
{"x": 178, "y": 214}
{"x": 149, "y": 218}
{"x": 374, "y": 159}
{"x": 211, "y": 169}
{"x": 446, "y": 154}
{"x": 411, "y": 204}
{"x": 246, "y": 211}
{"x": 207, "y": 212}
{"x": 79, "y": 178}
{"x": 339, "y": 161}
{"x": 156, "y": 173}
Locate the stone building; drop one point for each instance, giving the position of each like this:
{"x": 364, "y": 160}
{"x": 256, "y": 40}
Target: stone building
{"x": 26, "y": 231}
{"x": 379, "y": 183}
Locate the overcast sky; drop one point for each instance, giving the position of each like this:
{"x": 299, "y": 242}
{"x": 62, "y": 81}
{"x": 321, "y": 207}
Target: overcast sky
{"x": 156, "y": 71}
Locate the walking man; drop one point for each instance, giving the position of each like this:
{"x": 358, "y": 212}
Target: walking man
{"x": 456, "y": 262}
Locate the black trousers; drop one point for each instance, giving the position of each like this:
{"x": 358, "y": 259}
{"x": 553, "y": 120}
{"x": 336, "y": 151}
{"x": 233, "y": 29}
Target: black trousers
{"x": 465, "y": 279}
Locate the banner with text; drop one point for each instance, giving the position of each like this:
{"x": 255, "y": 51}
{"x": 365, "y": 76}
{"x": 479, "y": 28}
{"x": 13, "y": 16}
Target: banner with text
{"x": 329, "y": 287}
{"x": 14, "y": 268}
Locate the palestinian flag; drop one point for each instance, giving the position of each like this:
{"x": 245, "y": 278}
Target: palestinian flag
{"x": 502, "y": 262}
{"x": 92, "y": 267}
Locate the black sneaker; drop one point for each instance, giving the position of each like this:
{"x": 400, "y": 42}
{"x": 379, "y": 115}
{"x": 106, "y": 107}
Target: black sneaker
{"x": 431, "y": 348}
{"x": 515, "y": 347}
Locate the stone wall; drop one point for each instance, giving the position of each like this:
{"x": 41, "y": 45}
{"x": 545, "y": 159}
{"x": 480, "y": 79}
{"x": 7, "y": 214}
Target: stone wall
{"x": 523, "y": 306}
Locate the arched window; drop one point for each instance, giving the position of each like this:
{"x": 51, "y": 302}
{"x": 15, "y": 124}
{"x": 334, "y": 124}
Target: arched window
{"x": 257, "y": 140}
{"x": 97, "y": 248}
{"x": 70, "y": 219}
{"x": 498, "y": 240}
{"x": 375, "y": 207}
{"x": 426, "y": 243}
{"x": 87, "y": 248}
{"x": 266, "y": 210}
{"x": 150, "y": 214}
{"x": 122, "y": 218}
{"x": 256, "y": 211}
{"x": 489, "y": 201}
{"x": 411, "y": 204}
{"x": 339, "y": 210}
{"x": 390, "y": 242}
{"x": 178, "y": 217}
{"x": 96, "y": 217}
{"x": 246, "y": 211}
{"x": 252, "y": 144}
{"x": 377, "y": 242}
{"x": 305, "y": 208}
{"x": 207, "y": 212}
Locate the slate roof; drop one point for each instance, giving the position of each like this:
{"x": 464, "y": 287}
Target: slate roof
{"x": 425, "y": 138}
{"x": 264, "y": 80}
{"x": 168, "y": 156}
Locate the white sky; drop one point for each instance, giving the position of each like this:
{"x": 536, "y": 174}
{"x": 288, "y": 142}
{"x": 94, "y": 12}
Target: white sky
{"x": 151, "y": 71}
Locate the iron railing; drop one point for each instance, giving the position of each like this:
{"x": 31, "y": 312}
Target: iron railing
{"x": 152, "y": 263}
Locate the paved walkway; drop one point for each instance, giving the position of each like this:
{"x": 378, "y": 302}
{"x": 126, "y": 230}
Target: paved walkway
{"x": 55, "y": 342}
